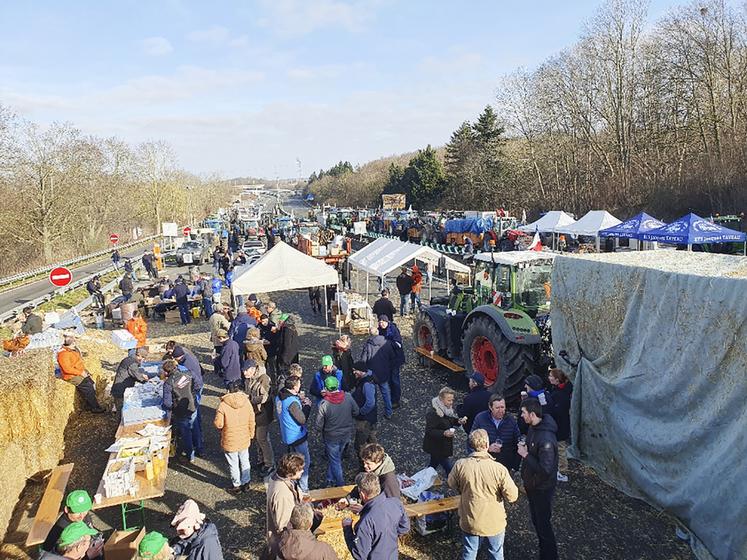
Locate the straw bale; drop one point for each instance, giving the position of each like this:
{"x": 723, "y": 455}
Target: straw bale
{"x": 34, "y": 413}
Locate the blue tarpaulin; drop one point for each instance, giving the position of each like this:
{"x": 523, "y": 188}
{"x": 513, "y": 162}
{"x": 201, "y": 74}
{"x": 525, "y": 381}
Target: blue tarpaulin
{"x": 469, "y": 225}
{"x": 632, "y": 228}
{"x": 693, "y": 230}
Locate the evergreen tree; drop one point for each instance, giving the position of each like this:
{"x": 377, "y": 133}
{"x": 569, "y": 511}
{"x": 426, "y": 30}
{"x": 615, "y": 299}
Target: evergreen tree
{"x": 423, "y": 180}
{"x": 393, "y": 184}
{"x": 460, "y": 154}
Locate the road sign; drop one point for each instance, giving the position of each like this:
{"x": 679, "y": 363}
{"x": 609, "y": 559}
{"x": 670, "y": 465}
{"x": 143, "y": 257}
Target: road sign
{"x": 114, "y": 238}
{"x": 186, "y": 231}
{"x": 60, "y": 276}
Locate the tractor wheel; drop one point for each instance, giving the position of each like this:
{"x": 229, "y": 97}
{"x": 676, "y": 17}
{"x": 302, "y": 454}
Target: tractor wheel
{"x": 424, "y": 333}
{"x": 504, "y": 364}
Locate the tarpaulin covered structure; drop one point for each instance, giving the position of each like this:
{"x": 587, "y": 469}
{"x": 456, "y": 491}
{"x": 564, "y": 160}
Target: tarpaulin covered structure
{"x": 632, "y": 228}
{"x": 469, "y": 225}
{"x": 660, "y": 393}
{"x": 693, "y": 230}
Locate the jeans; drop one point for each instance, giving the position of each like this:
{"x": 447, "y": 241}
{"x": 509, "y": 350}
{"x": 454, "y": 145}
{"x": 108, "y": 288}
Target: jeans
{"x": 395, "y": 385}
{"x": 334, "y": 449}
{"x": 197, "y": 442}
{"x": 239, "y": 467}
{"x": 265, "y": 453}
{"x": 184, "y": 428}
{"x": 386, "y": 396}
{"x": 184, "y": 314}
{"x": 415, "y": 299}
{"x": 303, "y": 449}
{"x": 445, "y": 462}
{"x": 472, "y": 546}
{"x": 207, "y": 304}
{"x": 540, "y": 509}
{"x": 404, "y": 304}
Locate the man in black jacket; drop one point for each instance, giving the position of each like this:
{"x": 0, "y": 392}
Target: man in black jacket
{"x": 384, "y": 306}
{"x": 404, "y": 287}
{"x": 181, "y": 294}
{"x": 476, "y": 400}
{"x": 128, "y": 373}
{"x": 539, "y": 470}
{"x": 287, "y": 344}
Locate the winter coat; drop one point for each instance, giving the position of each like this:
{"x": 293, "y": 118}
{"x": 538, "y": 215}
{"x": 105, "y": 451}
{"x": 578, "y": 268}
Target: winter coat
{"x": 181, "y": 292}
{"x": 235, "y": 419}
{"x": 191, "y": 362}
{"x": 255, "y": 350}
{"x": 483, "y": 485}
{"x": 265, "y": 332}
{"x": 435, "y": 442}
{"x": 559, "y": 406}
{"x": 240, "y": 325}
{"x": 343, "y": 360}
{"x": 127, "y": 374}
{"x": 335, "y": 417}
{"x": 507, "y": 431}
{"x": 292, "y": 417}
{"x": 178, "y": 393}
{"x": 379, "y": 356}
{"x": 260, "y": 395}
{"x": 202, "y": 545}
{"x": 404, "y": 284}
{"x": 387, "y": 479}
{"x": 392, "y": 334}
{"x": 417, "y": 280}
{"x": 298, "y": 544}
{"x": 384, "y": 306}
{"x": 71, "y": 363}
{"x": 126, "y": 285}
{"x": 33, "y": 324}
{"x": 217, "y": 322}
{"x": 230, "y": 361}
{"x": 539, "y": 469}
{"x": 364, "y": 394}
{"x": 288, "y": 345}
{"x": 375, "y": 536}
{"x": 138, "y": 328}
{"x": 282, "y": 495}
{"x": 317, "y": 384}
{"x": 474, "y": 403}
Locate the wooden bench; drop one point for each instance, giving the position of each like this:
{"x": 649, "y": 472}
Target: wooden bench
{"x": 49, "y": 507}
{"x": 448, "y": 364}
{"x": 337, "y": 492}
{"x": 433, "y": 506}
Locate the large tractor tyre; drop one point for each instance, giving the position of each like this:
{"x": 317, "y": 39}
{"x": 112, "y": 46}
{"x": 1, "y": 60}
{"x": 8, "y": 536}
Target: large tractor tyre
{"x": 425, "y": 334}
{"x": 504, "y": 364}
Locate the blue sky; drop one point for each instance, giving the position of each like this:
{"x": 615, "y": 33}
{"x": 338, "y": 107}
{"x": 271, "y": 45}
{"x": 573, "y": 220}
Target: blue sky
{"x": 245, "y": 88}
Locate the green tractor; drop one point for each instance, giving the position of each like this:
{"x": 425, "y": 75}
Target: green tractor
{"x": 499, "y": 326}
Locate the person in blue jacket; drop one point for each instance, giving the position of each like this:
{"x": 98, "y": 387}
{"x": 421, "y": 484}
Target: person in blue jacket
{"x": 390, "y": 331}
{"x": 328, "y": 369}
{"x": 380, "y": 357}
{"x": 181, "y": 293}
{"x": 179, "y": 399}
{"x": 503, "y": 432}
{"x": 197, "y": 536}
{"x": 292, "y": 412}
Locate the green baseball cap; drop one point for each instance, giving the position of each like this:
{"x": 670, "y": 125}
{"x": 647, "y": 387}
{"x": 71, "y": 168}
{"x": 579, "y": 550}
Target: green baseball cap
{"x": 327, "y": 360}
{"x": 151, "y": 544}
{"x": 331, "y": 383}
{"x": 73, "y": 533}
{"x": 78, "y": 501}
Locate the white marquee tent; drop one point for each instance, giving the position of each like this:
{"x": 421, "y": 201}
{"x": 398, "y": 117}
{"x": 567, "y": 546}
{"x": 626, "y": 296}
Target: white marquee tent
{"x": 283, "y": 268}
{"x": 549, "y": 223}
{"x": 590, "y": 224}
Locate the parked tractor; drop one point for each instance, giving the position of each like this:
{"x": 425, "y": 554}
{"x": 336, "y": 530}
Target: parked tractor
{"x": 499, "y": 326}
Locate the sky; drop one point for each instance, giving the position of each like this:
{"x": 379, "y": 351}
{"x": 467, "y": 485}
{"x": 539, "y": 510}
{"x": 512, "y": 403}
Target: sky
{"x": 252, "y": 88}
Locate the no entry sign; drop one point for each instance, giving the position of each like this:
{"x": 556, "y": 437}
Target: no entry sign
{"x": 60, "y": 276}
{"x": 114, "y": 238}
{"x": 186, "y": 230}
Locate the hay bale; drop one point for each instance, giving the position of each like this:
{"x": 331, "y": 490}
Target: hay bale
{"x": 34, "y": 412}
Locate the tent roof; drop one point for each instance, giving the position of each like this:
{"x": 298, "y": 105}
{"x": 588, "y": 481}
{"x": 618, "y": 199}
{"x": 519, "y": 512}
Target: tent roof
{"x": 692, "y": 230}
{"x": 514, "y": 258}
{"x": 549, "y": 222}
{"x": 283, "y": 268}
{"x": 633, "y": 227}
{"x": 385, "y": 255}
{"x": 590, "y": 223}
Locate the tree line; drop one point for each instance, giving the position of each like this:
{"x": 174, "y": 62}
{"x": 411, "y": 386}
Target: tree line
{"x": 66, "y": 192}
{"x": 631, "y": 117}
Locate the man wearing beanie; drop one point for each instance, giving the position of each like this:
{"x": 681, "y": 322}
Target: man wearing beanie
{"x": 78, "y": 507}
{"x": 335, "y": 420}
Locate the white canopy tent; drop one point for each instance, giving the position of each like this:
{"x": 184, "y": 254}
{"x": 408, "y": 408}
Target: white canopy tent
{"x": 549, "y": 223}
{"x": 283, "y": 268}
{"x": 386, "y": 255}
{"x": 590, "y": 224}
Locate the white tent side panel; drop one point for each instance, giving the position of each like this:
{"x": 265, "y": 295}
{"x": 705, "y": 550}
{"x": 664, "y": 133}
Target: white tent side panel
{"x": 590, "y": 223}
{"x": 386, "y": 255}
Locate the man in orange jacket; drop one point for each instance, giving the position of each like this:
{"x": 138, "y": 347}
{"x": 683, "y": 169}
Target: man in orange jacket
{"x": 138, "y": 328}
{"x": 74, "y": 371}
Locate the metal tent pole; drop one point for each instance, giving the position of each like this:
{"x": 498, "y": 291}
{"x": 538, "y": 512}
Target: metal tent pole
{"x": 326, "y": 308}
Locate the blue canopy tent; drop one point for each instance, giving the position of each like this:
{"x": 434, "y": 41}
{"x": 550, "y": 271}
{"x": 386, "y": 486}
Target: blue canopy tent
{"x": 632, "y": 228}
{"x": 693, "y": 230}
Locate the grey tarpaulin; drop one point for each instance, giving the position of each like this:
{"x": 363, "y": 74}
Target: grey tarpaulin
{"x": 660, "y": 393}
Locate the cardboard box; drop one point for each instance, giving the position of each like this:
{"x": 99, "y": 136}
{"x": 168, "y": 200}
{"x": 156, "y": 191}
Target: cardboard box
{"x": 122, "y": 545}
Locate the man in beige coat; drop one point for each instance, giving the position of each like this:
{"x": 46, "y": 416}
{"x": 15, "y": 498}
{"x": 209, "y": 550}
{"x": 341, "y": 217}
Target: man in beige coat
{"x": 235, "y": 420}
{"x": 483, "y": 484}
{"x": 283, "y": 493}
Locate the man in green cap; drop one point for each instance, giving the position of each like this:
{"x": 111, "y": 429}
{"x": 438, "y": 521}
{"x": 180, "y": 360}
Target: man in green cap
{"x": 154, "y": 546}
{"x": 74, "y": 543}
{"x": 327, "y": 370}
{"x": 335, "y": 420}
{"x": 77, "y": 509}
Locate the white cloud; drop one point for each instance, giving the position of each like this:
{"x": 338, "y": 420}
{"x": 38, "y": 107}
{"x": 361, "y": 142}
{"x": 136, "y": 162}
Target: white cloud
{"x": 299, "y": 17}
{"x": 218, "y": 35}
{"x": 156, "y": 46}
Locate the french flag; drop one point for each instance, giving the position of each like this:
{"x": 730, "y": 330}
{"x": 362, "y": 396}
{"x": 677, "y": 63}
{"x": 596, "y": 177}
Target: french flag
{"x": 536, "y": 244}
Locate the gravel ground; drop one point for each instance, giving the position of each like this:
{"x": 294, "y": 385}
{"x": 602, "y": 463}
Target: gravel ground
{"x": 592, "y": 520}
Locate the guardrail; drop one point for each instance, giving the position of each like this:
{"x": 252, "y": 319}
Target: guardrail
{"x": 45, "y": 269}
